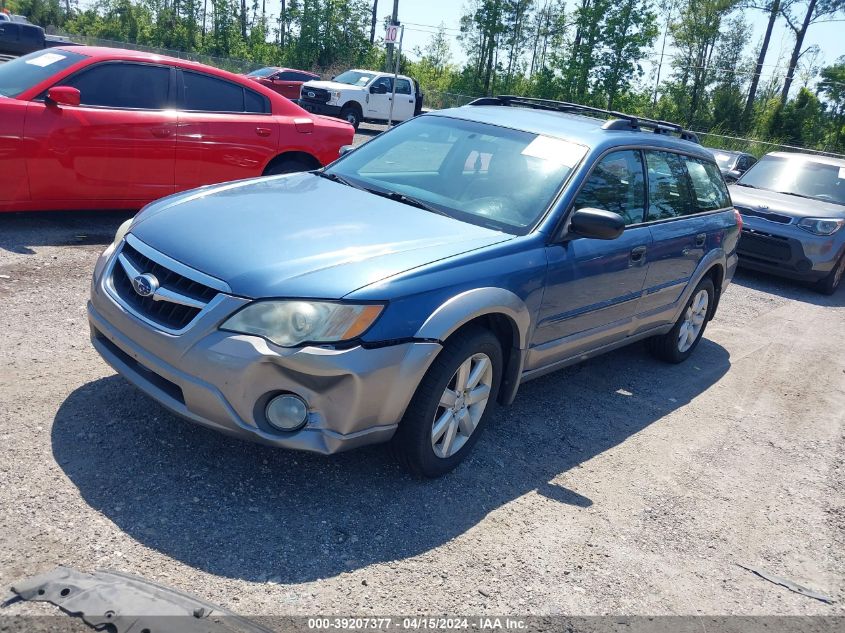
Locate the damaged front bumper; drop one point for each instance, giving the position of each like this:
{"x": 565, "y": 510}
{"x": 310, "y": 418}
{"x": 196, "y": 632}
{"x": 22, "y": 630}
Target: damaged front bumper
{"x": 111, "y": 600}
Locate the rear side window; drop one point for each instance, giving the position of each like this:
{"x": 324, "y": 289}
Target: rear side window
{"x": 254, "y": 102}
{"x": 616, "y": 184}
{"x": 708, "y": 187}
{"x": 204, "y": 93}
{"x": 123, "y": 85}
{"x": 668, "y": 194}
{"x": 403, "y": 87}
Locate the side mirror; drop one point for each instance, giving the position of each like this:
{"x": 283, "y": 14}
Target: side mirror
{"x": 378, "y": 89}
{"x": 597, "y": 224}
{"x": 64, "y": 95}
{"x": 345, "y": 149}
{"x": 733, "y": 175}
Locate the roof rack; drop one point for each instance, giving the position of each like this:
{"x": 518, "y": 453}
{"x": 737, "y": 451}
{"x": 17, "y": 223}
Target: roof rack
{"x": 620, "y": 120}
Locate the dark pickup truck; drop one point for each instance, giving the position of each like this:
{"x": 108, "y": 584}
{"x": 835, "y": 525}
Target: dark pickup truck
{"x": 18, "y": 37}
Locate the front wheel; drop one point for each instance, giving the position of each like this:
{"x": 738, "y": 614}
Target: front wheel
{"x": 678, "y": 343}
{"x": 829, "y": 284}
{"x": 452, "y": 403}
{"x": 351, "y": 115}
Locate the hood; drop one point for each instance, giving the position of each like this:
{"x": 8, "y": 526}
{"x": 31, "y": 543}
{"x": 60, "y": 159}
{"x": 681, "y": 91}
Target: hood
{"x": 330, "y": 85}
{"x": 785, "y": 204}
{"x": 301, "y": 236}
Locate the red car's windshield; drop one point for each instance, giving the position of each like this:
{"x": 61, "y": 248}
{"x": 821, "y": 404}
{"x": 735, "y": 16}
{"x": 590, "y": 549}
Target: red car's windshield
{"x": 24, "y": 72}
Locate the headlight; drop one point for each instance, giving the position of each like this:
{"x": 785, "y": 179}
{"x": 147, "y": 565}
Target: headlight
{"x": 821, "y": 226}
{"x": 122, "y": 230}
{"x": 335, "y": 95}
{"x": 290, "y": 323}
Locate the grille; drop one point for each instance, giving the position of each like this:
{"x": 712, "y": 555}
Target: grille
{"x": 766, "y": 215}
{"x": 171, "y": 315}
{"x": 320, "y": 95}
{"x": 766, "y": 246}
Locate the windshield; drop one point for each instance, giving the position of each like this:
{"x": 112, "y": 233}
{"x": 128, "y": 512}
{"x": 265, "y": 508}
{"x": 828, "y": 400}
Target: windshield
{"x": 725, "y": 161}
{"x": 354, "y": 78}
{"x": 799, "y": 176}
{"x": 475, "y": 172}
{"x": 24, "y": 72}
{"x": 262, "y": 72}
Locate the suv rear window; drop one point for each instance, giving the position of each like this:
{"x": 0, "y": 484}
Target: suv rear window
{"x": 708, "y": 187}
{"x": 23, "y": 73}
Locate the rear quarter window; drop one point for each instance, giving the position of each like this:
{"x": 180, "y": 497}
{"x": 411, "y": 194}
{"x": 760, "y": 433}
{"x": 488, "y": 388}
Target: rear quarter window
{"x": 709, "y": 192}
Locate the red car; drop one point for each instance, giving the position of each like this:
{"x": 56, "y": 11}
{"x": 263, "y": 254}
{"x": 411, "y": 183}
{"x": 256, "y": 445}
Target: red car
{"x": 101, "y": 128}
{"x": 286, "y": 81}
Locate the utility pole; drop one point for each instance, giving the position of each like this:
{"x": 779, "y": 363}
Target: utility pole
{"x": 393, "y": 20}
{"x": 375, "y": 19}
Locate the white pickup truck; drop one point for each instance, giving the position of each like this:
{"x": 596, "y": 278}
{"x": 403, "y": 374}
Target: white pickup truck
{"x": 362, "y": 95}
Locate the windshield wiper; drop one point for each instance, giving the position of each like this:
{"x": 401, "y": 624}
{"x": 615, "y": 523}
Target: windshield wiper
{"x": 334, "y": 177}
{"x": 742, "y": 184}
{"x": 797, "y": 195}
{"x": 409, "y": 200}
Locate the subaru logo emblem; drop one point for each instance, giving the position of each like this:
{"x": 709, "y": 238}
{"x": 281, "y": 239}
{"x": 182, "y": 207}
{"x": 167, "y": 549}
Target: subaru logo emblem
{"x": 145, "y": 285}
{"x": 311, "y": 94}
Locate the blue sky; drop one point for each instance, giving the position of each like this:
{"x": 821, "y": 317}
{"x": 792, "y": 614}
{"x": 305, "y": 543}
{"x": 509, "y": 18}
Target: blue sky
{"x": 423, "y": 16}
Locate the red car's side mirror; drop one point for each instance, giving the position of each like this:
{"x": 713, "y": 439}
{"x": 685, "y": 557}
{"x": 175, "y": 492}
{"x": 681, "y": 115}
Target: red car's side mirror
{"x": 64, "y": 95}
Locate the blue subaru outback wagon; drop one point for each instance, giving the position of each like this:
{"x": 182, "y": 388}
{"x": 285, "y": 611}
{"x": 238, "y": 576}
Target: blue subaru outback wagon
{"x": 401, "y": 292}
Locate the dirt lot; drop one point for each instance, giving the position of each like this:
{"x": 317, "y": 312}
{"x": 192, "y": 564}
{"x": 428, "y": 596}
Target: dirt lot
{"x": 620, "y": 486}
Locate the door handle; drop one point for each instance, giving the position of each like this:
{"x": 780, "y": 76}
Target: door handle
{"x": 161, "y": 132}
{"x": 262, "y": 131}
{"x": 638, "y": 254}
{"x": 700, "y": 239}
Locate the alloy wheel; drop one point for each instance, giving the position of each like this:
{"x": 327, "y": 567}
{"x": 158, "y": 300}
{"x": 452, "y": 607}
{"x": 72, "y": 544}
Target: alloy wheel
{"x": 694, "y": 318}
{"x": 462, "y": 405}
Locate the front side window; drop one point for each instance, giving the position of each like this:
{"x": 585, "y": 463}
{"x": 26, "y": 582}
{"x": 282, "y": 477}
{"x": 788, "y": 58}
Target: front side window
{"x": 123, "y": 85}
{"x": 479, "y": 173}
{"x": 668, "y": 195}
{"x": 616, "y": 184}
{"x": 385, "y": 82}
{"x": 23, "y": 73}
{"x": 708, "y": 187}
{"x": 798, "y": 176}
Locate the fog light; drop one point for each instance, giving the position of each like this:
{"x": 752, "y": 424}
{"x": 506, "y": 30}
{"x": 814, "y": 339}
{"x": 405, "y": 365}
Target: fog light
{"x": 286, "y": 412}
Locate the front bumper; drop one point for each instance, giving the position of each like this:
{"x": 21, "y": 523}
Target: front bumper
{"x": 315, "y": 107}
{"x": 355, "y": 396}
{"x": 786, "y": 250}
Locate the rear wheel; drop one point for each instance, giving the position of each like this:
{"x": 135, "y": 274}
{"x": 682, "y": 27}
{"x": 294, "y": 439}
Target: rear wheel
{"x": 829, "y": 284}
{"x": 676, "y": 345}
{"x": 452, "y": 403}
{"x": 351, "y": 115}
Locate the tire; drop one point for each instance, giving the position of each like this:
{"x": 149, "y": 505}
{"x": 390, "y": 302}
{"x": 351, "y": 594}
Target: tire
{"x": 287, "y": 166}
{"x": 671, "y": 347}
{"x": 829, "y": 284}
{"x": 351, "y": 115}
{"x": 415, "y": 445}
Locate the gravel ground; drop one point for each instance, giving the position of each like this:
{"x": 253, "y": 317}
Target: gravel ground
{"x": 621, "y": 486}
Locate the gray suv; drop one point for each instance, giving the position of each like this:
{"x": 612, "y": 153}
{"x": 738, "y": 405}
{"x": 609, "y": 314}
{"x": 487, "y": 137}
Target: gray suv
{"x": 793, "y": 210}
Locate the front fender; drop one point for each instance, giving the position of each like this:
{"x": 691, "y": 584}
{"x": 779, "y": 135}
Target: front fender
{"x": 471, "y": 304}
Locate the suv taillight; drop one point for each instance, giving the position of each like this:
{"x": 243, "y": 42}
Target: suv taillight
{"x": 738, "y": 217}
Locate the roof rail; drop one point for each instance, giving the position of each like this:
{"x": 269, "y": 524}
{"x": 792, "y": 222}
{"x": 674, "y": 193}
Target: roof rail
{"x": 620, "y": 120}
